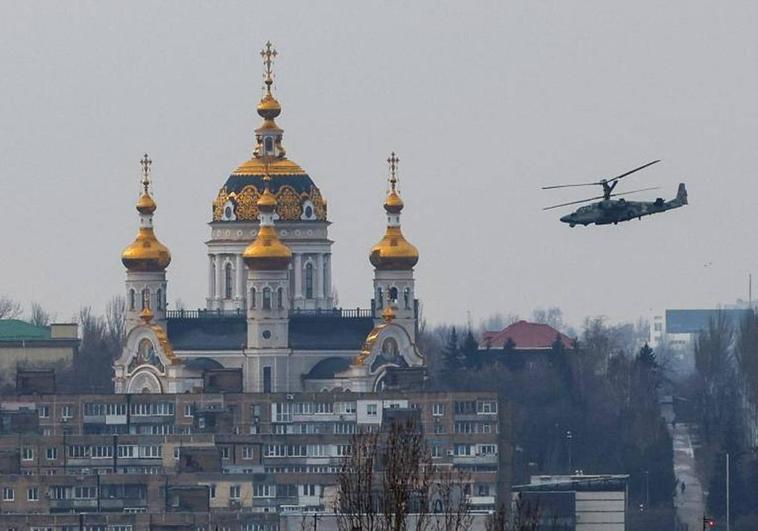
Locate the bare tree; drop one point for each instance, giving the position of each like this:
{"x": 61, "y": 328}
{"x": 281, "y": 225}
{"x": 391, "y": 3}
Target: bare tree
{"x": 39, "y": 316}
{"x": 450, "y": 504}
{"x": 9, "y": 309}
{"x": 355, "y": 506}
{"x": 115, "y": 323}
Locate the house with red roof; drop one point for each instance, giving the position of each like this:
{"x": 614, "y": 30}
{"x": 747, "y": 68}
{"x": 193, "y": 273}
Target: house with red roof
{"x": 525, "y": 336}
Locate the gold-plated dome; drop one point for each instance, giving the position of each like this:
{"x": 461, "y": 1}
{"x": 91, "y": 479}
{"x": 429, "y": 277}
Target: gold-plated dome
{"x": 146, "y": 204}
{"x": 393, "y": 251}
{"x": 146, "y": 253}
{"x": 269, "y": 108}
{"x": 393, "y": 204}
{"x": 267, "y": 252}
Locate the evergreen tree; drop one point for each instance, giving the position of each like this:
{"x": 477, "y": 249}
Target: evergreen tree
{"x": 452, "y": 351}
{"x": 646, "y": 357}
{"x": 470, "y": 351}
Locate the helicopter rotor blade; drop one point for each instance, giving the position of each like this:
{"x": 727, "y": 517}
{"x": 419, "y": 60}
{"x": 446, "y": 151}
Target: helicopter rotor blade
{"x": 599, "y": 183}
{"x": 569, "y": 185}
{"x": 633, "y": 171}
{"x": 635, "y": 191}
{"x": 574, "y": 202}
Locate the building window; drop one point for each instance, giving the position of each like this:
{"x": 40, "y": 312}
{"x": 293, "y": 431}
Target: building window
{"x": 159, "y": 299}
{"x": 268, "y": 144}
{"x": 228, "y": 281}
{"x": 212, "y": 490}
{"x": 27, "y": 453}
{"x": 132, "y": 302}
{"x": 438, "y": 409}
{"x": 188, "y": 410}
{"x": 486, "y": 407}
{"x": 145, "y": 298}
{"x": 407, "y": 298}
{"x": 225, "y": 453}
{"x": 247, "y": 452}
{"x": 436, "y": 451}
{"x": 234, "y": 492}
{"x": 252, "y": 298}
{"x": 309, "y": 280}
{"x": 266, "y": 379}
{"x": 266, "y": 298}
{"x": 280, "y": 298}
{"x": 261, "y": 490}
{"x": 484, "y": 490}
{"x": 8, "y": 494}
{"x": 43, "y": 411}
{"x": 32, "y": 494}
{"x": 371, "y": 410}
{"x": 393, "y": 294}
{"x": 51, "y": 454}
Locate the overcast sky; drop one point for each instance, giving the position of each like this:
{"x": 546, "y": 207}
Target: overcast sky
{"x": 484, "y": 102}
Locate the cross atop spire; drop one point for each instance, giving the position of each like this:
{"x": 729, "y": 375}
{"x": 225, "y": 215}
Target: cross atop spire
{"x": 145, "y": 162}
{"x": 268, "y": 54}
{"x": 393, "y": 162}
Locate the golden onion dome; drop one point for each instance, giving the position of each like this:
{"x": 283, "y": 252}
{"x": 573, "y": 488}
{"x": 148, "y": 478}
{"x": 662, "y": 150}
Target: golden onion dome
{"x": 394, "y": 252}
{"x": 146, "y": 204}
{"x": 146, "y": 253}
{"x": 267, "y": 201}
{"x": 269, "y": 108}
{"x": 267, "y": 252}
{"x": 393, "y": 204}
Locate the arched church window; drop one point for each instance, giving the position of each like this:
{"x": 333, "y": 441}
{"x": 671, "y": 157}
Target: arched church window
{"x": 228, "y": 281}
{"x": 252, "y": 298}
{"x": 132, "y": 297}
{"x": 393, "y": 294}
{"x": 159, "y": 299}
{"x": 390, "y": 348}
{"x": 280, "y": 298}
{"x": 379, "y": 298}
{"x": 145, "y": 298}
{"x": 268, "y": 144}
{"x": 266, "y": 298}
{"x": 327, "y": 286}
{"x": 309, "y": 280}
{"x": 407, "y": 298}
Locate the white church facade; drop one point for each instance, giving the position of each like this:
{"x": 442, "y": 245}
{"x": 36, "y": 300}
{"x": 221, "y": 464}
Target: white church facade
{"x": 270, "y": 317}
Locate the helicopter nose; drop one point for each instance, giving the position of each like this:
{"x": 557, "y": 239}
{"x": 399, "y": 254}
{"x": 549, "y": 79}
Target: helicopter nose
{"x": 566, "y": 219}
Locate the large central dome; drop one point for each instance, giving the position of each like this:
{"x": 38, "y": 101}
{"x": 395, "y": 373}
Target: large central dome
{"x": 297, "y": 197}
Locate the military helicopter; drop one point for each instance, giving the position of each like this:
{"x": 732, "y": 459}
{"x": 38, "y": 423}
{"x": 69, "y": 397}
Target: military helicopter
{"x": 607, "y": 210}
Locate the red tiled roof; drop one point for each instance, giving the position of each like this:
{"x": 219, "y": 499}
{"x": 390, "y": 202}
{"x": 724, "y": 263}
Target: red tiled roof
{"x": 526, "y": 336}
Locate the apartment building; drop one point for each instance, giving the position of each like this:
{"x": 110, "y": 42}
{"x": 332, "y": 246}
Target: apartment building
{"x": 251, "y": 453}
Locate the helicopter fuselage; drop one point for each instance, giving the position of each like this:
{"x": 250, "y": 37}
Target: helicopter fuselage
{"x": 614, "y": 211}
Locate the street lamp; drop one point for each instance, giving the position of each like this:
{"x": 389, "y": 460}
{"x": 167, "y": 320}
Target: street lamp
{"x": 569, "y": 436}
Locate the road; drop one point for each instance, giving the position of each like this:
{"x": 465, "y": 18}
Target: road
{"x": 690, "y": 505}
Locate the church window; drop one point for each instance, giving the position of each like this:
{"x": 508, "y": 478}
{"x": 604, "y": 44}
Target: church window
{"x": 309, "y": 211}
{"x": 309, "y": 280}
{"x": 266, "y": 379}
{"x": 280, "y": 298}
{"x": 266, "y": 298}
{"x": 379, "y": 298}
{"x": 132, "y": 297}
{"x": 268, "y": 143}
{"x": 407, "y": 298}
{"x": 145, "y": 298}
{"x": 159, "y": 299}
{"x": 266, "y": 334}
{"x": 228, "y": 281}
{"x": 252, "y": 298}
{"x": 393, "y": 294}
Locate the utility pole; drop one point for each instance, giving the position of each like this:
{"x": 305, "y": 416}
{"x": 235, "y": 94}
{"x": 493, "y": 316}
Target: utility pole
{"x": 727, "y": 491}
{"x": 569, "y": 436}
{"x": 647, "y": 488}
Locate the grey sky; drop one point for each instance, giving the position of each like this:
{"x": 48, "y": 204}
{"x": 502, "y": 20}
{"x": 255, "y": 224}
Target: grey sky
{"x": 484, "y": 103}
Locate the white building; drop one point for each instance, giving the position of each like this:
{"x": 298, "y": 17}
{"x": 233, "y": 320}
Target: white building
{"x": 270, "y": 310}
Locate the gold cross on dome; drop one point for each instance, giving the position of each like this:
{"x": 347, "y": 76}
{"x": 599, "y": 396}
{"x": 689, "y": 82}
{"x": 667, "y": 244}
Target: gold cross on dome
{"x": 393, "y": 162}
{"x": 268, "y": 54}
{"x": 145, "y": 163}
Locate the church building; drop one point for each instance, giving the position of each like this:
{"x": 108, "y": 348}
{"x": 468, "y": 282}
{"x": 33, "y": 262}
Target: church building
{"x": 270, "y": 317}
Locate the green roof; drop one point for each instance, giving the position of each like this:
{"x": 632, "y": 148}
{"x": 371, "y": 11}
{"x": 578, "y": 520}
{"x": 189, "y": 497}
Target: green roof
{"x": 16, "y": 330}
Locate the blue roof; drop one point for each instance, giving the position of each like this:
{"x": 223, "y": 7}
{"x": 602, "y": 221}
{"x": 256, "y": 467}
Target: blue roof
{"x": 693, "y": 321}
{"x": 306, "y": 332}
